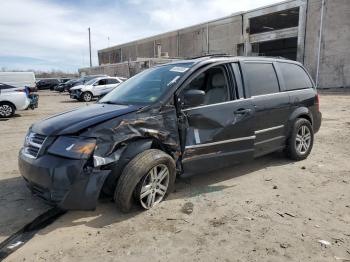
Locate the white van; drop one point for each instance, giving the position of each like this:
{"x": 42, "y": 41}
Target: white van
{"x": 18, "y": 79}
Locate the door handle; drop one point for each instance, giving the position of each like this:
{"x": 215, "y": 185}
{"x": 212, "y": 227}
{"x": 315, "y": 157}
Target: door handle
{"x": 242, "y": 111}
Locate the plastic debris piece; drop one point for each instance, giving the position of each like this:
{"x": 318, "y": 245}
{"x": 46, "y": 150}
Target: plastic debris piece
{"x": 344, "y": 259}
{"x": 324, "y": 242}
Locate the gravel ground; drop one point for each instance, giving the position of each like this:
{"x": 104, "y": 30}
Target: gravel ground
{"x": 269, "y": 210}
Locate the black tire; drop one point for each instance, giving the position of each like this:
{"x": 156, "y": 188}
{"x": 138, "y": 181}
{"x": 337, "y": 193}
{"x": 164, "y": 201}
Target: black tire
{"x": 6, "y": 109}
{"x": 293, "y": 146}
{"x": 134, "y": 173}
{"x": 86, "y": 96}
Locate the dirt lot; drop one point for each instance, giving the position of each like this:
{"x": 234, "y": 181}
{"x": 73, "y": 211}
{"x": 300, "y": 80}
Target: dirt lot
{"x": 269, "y": 210}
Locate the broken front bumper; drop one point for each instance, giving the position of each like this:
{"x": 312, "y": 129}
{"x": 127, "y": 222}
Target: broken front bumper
{"x": 75, "y": 94}
{"x": 67, "y": 183}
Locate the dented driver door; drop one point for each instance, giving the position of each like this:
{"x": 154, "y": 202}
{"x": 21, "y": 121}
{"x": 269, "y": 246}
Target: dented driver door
{"x": 217, "y": 134}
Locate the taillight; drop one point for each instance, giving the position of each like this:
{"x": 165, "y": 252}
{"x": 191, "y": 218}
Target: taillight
{"x": 317, "y": 102}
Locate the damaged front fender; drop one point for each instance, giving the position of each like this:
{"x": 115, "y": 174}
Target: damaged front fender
{"x": 113, "y": 135}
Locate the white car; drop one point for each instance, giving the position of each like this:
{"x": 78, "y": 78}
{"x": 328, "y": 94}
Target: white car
{"x": 12, "y": 99}
{"x": 94, "y": 88}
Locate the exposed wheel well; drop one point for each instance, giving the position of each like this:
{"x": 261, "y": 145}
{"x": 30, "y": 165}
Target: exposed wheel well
{"x": 307, "y": 117}
{"x": 134, "y": 148}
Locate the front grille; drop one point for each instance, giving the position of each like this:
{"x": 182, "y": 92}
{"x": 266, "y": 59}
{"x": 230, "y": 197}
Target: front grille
{"x": 33, "y": 144}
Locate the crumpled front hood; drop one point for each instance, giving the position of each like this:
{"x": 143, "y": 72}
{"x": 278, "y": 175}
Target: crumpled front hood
{"x": 78, "y": 119}
{"x": 77, "y": 87}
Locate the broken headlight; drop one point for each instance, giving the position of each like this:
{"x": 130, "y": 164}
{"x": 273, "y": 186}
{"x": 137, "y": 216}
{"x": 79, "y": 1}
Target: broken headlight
{"x": 73, "y": 147}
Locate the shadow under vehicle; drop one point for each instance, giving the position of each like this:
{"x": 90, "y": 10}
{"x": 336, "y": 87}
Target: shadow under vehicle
{"x": 189, "y": 116}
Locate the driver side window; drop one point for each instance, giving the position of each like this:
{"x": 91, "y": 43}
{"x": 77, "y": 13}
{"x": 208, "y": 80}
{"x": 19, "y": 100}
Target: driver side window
{"x": 214, "y": 83}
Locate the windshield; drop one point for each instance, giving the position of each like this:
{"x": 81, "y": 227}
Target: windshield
{"x": 70, "y": 81}
{"x": 90, "y": 82}
{"x": 147, "y": 86}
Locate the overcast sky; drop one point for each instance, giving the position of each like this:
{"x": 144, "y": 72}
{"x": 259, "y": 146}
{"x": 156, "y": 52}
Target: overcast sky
{"x": 52, "y": 34}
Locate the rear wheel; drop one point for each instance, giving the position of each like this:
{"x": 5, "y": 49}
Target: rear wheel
{"x": 301, "y": 140}
{"x": 86, "y": 96}
{"x": 147, "y": 179}
{"x": 6, "y": 109}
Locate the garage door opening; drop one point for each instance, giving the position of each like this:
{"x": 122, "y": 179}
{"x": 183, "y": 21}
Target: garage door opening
{"x": 275, "y": 21}
{"x": 286, "y": 48}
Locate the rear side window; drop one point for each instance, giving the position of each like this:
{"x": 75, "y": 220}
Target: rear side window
{"x": 294, "y": 77}
{"x": 112, "y": 81}
{"x": 261, "y": 78}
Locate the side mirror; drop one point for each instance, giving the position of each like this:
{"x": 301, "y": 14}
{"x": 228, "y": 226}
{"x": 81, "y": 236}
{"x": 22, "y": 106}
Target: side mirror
{"x": 194, "y": 98}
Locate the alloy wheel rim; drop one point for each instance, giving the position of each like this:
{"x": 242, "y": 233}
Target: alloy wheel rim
{"x": 154, "y": 186}
{"x": 303, "y": 140}
{"x": 5, "y": 110}
{"x": 87, "y": 97}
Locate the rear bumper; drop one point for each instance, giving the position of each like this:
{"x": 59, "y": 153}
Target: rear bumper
{"x": 317, "y": 122}
{"x": 24, "y": 105}
{"x": 67, "y": 183}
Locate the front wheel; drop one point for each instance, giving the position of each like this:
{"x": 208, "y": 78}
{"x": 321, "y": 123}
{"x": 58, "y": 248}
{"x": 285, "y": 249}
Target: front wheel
{"x": 301, "y": 140}
{"x": 86, "y": 96}
{"x": 6, "y": 109}
{"x": 147, "y": 179}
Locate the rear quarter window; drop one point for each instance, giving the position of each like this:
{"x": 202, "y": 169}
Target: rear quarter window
{"x": 294, "y": 77}
{"x": 261, "y": 78}
{"x": 112, "y": 81}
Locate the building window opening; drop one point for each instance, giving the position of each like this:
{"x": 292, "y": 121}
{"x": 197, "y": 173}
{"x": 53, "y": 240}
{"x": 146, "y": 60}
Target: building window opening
{"x": 276, "y": 21}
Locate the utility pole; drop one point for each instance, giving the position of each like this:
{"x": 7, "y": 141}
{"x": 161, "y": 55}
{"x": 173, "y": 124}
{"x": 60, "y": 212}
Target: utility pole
{"x": 109, "y": 53}
{"x": 90, "y": 46}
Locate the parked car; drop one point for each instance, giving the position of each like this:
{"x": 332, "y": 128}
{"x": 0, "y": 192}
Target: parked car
{"x": 48, "y": 83}
{"x": 62, "y": 87}
{"x": 13, "y": 98}
{"x": 85, "y": 79}
{"x": 96, "y": 87}
{"x": 64, "y": 80}
{"x": 188, "y": 116}
{"x": 18, "y": 79}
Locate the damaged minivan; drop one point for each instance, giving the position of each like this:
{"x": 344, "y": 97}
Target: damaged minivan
{"x": 189, "y": 116}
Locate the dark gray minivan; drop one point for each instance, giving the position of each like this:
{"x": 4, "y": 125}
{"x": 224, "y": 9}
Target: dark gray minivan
{"x": 187, "y": 116}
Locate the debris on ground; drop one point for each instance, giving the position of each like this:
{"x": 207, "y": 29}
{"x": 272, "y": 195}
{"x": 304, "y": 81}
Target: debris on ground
{"x": 284, "y": 245}
{"x": 344, "y": 259}
{"x": 289, "y": 214}
{"x": 275, "y": 187}
{"x": 324, "y": 243}
{"x": 217, "y": 222}
{"x": 169, "y": 218}
{"x": 187, "y": 208}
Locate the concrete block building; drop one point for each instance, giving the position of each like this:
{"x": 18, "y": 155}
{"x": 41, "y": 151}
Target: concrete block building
{"x": 314, "y": 32}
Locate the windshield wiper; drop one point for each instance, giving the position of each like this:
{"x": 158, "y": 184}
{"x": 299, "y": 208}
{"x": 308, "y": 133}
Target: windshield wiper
{"x": 112, "y": 103}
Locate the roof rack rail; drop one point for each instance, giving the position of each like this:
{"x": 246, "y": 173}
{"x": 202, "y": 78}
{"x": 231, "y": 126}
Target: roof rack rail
{"x": 210, "y": 55}
{"x": 277, "y": 57}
